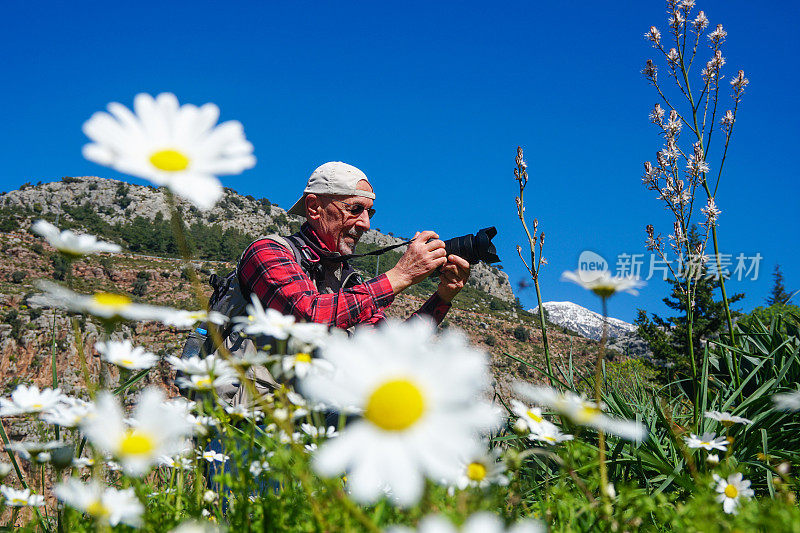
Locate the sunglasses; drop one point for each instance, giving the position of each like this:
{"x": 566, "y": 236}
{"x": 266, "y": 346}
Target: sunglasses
{"x": 355, "y": 210}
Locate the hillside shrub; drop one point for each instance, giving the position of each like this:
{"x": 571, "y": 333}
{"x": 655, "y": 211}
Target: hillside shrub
{"x": 522, "y": 334}
{"x": 141, "y": 283}
{"x": 61, "y": 267}
{"x": 18, "y": 276}
{"x": 490, "y": 340}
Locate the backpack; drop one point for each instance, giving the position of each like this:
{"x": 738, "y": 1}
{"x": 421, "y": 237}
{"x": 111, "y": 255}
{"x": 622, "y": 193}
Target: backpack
{"x": 229, "y": 299}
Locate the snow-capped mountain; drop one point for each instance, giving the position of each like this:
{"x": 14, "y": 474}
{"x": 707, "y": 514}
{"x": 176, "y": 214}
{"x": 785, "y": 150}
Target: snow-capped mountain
{"x": 583, "y": 321}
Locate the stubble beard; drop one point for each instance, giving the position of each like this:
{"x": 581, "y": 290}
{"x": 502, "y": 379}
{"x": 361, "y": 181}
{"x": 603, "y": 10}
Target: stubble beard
{"x": 344, "y": 247}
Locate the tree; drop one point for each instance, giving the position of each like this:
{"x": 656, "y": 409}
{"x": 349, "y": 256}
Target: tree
{"x": 667, "y": 337}
{"x": 778, "y": 294}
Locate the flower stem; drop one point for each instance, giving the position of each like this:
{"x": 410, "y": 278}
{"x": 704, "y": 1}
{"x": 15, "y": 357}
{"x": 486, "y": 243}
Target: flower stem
{"x": 598, "y": 398}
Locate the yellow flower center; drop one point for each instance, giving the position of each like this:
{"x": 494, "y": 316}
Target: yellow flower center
{"x": 534, "y": 416}
{"x": 97, "y": 509}
{"x": 731, "y": 491}
{"x": 116, "y": 301}
{"x": 18, "y": 501}
{"x": 37, "y": 406}
{"x": 727, "y": 423}
{"x": 302, "y": 357}
{"x": 703, "y": 443}
{"x": 586, "y": 413}
{"x": 126, "y": 363}
{"x": 204, "y": 383}
{"x": 136, "y": 442}
{"x": 604, "y": 291}
{"x": 549, "y": 438}
{"x": 169, "y": 160}
{"x": 476, "y": 471}
{"x": 395, "y": 405}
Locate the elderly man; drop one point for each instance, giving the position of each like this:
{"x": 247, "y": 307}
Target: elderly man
{"x": 304, "y": 274}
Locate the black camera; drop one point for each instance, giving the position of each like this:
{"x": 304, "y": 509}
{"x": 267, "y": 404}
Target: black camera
{"x": 474, "y": 248}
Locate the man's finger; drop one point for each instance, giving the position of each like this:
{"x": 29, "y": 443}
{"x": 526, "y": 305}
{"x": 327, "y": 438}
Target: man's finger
{"x": 458, "y": 261}
{"x": 435, "y": 244}
{"x": 426, "y": 235}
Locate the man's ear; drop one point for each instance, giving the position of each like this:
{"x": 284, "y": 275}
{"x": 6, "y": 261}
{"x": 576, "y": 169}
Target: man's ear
{"x": 313, "y": 207}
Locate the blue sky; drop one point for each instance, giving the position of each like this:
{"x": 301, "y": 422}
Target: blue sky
{"x": 430, "y": 99}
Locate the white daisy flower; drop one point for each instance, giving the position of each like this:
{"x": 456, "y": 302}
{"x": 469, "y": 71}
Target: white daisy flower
{"x": 531, "y": 416}
{"x": 212, "y": 456}
{"x": 789, "y": 401}
{"x": 581, "y": 411}
{"x": 158, "y": 430}
{"x": 731, "y": 490}
{"x": 178, "y": 146}
{"x": 249, "y": 358}
{"x": 212, "y": 364}
{"x": 70, "y": 243}
{"x": 182, "y": 319}
{"x": 709, "y": 441}
{"x": 204, "y": 382}
{"x": 124, "y": 355}
{"x": 69, "y": 413}
{"x": 421, "y": 400}
{"x": 727, "y": 419}
{"x": 26, "y": 400}
{"x": 549, "y": 434}
{"x": 102, "y": 304}
{"x": 317, "y": 433}
{"x": 268, "y": 322}
{"x": 299, "y": 365}
{"x": 481, "y": 522}
{"x": 37, "y": 452}
{"x": 481, "y": 470}
{"x": 602, "y": 283}
{"x": 82, "y": 462}
{"x": 307, "y": 337}
{"x": 105, "y": 504}
{"x": 241, "y": 412}
{"x": 20, "y": 497}
{"x": 257, "y": 467}
{"x": 179, "y": 461}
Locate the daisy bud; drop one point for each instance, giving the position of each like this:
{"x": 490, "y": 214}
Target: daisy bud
{"x": 783, "y": 468}
{"x": 712, "y": 459}
{"x": 611, "y": 492}
{"x": 520, "y": 427}
{"x": 209, "y": 496}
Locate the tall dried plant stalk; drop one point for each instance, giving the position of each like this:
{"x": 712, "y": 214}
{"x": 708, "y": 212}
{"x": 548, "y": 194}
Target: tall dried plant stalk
{"x": 679, "y": 171}
{"x": 537, "y": 260}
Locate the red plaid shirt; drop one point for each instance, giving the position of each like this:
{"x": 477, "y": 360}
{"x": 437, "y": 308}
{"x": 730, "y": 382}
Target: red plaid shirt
{"x": 270, "y": 271}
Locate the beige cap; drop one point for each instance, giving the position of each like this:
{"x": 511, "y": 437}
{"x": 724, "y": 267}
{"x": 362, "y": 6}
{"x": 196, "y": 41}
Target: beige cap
{"x": 332, "y": 179}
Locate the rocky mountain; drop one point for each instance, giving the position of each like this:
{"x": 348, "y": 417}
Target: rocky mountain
{"x": 583, "y": 321}
{"x": 622, "y": 335}
{"x": 118, "y": 202}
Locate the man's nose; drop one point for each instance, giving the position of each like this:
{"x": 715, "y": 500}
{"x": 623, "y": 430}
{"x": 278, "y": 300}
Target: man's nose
{"x": 362, "y": 222}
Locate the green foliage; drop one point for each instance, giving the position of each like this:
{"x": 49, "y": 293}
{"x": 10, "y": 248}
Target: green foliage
{"x": 18, "y": 276}
{"x": 13, "y": 320}
{"x": 61, "y": 267}
{"x": 490, "y": 340}
{"x": 69, "y": 179}
{"x": 778, "y": 294}
{"x": 141, "y": 283}
{"x": 765, "y": 315}
{"x": 521, "y": 333}
{"x": 37, "y": 248}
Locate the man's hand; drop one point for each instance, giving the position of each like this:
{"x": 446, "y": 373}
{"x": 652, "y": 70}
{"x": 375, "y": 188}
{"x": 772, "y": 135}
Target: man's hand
{"x": 421, "y": 258}
{"x": 453, "y": 277}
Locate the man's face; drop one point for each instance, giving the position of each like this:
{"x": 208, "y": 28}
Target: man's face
{"x": 333, "y": 222}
